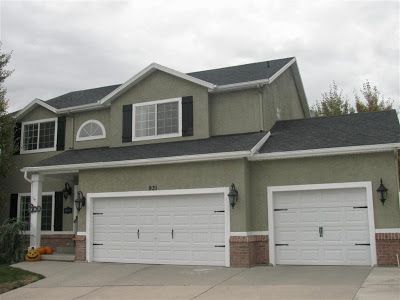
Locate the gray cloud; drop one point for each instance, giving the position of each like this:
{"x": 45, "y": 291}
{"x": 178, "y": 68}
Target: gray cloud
{"x": 61, "y": 46}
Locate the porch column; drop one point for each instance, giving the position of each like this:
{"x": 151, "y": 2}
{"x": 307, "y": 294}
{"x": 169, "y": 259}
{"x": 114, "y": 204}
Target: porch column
{"x": 36, "y": 217}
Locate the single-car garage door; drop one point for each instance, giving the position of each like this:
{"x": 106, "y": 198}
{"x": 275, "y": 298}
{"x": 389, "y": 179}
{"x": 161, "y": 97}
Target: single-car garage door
{"x": 179, "y": 229}
{"x": 322, "y": 227}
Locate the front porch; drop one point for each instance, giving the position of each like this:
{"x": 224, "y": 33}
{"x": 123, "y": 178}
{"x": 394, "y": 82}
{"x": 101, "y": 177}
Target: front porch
{"x": 51, "y": 216}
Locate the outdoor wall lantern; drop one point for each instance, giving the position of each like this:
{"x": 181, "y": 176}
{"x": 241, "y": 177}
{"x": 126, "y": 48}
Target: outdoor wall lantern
{"x": 80, "y": 202}
{"x": 382, "y": 191}
{"x": 67, "y": 190}
{"x": 233, "y": 195}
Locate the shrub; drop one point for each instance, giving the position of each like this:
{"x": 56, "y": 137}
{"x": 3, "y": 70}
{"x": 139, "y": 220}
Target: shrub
{"x": 12, "y": 241}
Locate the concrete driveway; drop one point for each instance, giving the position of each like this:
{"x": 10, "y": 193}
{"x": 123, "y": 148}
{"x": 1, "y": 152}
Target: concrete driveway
{"x": 73, "y": 280}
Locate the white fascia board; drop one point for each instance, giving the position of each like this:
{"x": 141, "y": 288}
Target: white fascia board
{"x": 31, "y": 104}
{"x": 138, "y": 162}
{"x": 147, "y": 71}
{"x": 387, "y": 230}
{"x": 260, "y": 143}
{"x": 326, "y": 152}
{"x": 283, "y": 69}
{"x": 254, "y": 83}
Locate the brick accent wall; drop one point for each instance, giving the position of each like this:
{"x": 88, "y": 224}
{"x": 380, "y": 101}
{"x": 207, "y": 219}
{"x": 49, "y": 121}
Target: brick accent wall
{"x": 387, "y": 246}
{"x": 248, "y": 251}
{"x": 57, "y": 240}
{"x": 80, "y": 247}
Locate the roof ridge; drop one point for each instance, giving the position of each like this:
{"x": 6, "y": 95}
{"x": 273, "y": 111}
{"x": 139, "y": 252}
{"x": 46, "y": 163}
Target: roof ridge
{"x": 241, "y": 65}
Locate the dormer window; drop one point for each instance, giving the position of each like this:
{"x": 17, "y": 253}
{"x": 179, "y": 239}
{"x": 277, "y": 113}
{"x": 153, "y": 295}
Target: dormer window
{"x": 39, "y": 136}
{"x": 157, "y": 119}
{"x": 91, "y": 130}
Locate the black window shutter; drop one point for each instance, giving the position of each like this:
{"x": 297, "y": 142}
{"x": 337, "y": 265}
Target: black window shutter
{"x": 17, "y": 138}
{"x": 61, "y": 133}
{"x": 13, "y": 206}
{"x": 58, "y": 211}
{"x": 187, "y": 116}
{"x": 127, "y": 123}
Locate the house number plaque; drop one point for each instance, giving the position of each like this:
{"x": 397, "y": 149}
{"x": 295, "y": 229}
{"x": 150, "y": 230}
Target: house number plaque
{"x": 153, "y": 188}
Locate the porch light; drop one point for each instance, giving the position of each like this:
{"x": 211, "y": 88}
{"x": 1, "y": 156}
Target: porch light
{"x": 233, "y": 195}
{"x": 80, "y": 202}
{"x": 67, "y": 191}
{"x": 382, "y": 191}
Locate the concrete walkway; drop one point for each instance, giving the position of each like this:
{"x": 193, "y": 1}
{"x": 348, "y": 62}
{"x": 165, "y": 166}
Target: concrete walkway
{"x": 382, "y": 283}
{"x": 66, "y": 280}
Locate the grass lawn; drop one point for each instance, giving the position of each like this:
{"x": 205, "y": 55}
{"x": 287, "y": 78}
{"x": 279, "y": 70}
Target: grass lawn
{"x": 12, "y": 278}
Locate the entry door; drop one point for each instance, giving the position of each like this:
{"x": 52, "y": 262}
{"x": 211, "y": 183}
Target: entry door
{"x": 323, "y": 227}
{"x": 186, "y": 229}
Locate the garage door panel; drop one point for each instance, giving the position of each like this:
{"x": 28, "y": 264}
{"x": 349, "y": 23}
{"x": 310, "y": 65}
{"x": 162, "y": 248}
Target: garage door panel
{"x": 322, "y": 227}
{"x": 197, "y": 229}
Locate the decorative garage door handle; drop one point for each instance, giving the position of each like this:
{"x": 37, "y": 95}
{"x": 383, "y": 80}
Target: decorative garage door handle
{"x": 321, "y": 231}
{"x": 172, "y": 233}
{"x": 138, "y": 234}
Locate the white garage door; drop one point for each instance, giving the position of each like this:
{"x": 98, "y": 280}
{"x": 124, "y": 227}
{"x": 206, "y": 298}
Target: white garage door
{"x": 322, "y": 227}
{"x": 184, "y": 229}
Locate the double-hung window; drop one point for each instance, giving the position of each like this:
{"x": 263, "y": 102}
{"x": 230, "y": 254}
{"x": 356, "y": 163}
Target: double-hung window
{"x": 39, "y": 136}
{"x": 157, "y": 119}
{"x": 47, "y": 211}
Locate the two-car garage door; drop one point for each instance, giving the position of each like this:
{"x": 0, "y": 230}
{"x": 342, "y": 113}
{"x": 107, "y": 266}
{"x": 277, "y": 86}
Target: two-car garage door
{"x": 321, "y": 227}
{"x": 168, "y": 229}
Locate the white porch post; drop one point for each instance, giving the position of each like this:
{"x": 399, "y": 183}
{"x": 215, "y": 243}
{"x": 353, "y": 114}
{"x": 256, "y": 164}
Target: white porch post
{"x": 36, "y": 217}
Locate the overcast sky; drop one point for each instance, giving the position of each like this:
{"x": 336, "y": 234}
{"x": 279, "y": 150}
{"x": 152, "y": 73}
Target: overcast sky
{"x": 62, "y": 46}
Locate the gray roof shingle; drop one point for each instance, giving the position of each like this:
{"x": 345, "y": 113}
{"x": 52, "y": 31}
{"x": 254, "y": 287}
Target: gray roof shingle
{"x": 340, "y": 131}
{"x": 217, "y": 144}
{"x": 242, "y": 73}
{"x": 228, "y": 75}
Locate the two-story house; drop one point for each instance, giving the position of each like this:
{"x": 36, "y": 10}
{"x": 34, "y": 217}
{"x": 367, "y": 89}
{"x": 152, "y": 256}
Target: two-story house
{"x": 219, "y": 167}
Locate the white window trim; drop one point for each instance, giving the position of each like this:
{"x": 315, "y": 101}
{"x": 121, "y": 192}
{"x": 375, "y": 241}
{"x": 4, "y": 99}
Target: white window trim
{"x": 52, "y": 194}
{"x": 161, "y": 136}
{"x": 89, "y": 138}
{"x": 22, "y": 151}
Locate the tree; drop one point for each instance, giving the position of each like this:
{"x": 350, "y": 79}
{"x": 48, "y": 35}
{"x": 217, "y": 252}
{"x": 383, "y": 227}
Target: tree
{"x": 333, "y": 103}
{"x": 6, "y": 120}
{"x": 373, "y": 99}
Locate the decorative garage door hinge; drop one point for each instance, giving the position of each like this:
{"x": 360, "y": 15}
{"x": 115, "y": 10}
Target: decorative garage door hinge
{"x": 360, "y": 206}
{"x": 362, "y": 244}
{"x": 281, "y": 244}
{"x": 218, "y": 211}
{"x": 97, "y": 244}
{"x": 97, "y": 213}
{"x": 280, "y": 209}
{"x": 219, "y": 246}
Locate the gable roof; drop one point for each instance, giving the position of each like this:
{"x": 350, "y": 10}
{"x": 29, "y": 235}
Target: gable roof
{"x": 371, "y": 128}
{"x": 243, "y": 73}
{"x": 237, "y": 77}
{"x": 222, "y": 147}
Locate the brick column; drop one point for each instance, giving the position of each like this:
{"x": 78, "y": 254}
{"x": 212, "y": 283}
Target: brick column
{"x": 80, "y": 247}
{"x": 248, "y": 251}
{"x": 387, "y": 248}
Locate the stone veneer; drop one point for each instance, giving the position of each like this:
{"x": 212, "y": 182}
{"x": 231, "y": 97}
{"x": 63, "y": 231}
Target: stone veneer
{"x": 387, "y": 248}
{"x": 248, "y": 251}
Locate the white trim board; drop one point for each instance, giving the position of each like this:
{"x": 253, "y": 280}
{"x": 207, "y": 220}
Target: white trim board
{"x": 326, "y": 152}
{"x": 367, "y": 185}
{"x": 248, "y": 233}
{"x": 387, "y": 230}
{"x": 92, "y": 196}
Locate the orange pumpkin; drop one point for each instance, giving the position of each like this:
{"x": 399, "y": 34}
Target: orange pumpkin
{"x": 41, "y": 250}
{"x": 49, "y": 250}
{"x": 32, "y": 255}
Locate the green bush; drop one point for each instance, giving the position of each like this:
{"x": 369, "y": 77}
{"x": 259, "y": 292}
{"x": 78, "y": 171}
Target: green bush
{"x": 12, "y": 241}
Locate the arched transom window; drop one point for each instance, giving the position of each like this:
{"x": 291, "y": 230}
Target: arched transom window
{"x": 91, "y": 130}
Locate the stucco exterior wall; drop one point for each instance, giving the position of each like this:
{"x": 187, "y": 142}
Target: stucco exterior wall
{"x": 158, "y": 86}
{"x": 235, "y": 112}
{"x": 75, "y": 121}
{"x": 333, "y": 169}
{"x": 176, "y": 176}
{"x": 38, "y": 113}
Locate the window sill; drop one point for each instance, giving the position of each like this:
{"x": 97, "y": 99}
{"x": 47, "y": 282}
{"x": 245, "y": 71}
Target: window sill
{"x": 38, "y": 150}
{"x": 156, "y": 137}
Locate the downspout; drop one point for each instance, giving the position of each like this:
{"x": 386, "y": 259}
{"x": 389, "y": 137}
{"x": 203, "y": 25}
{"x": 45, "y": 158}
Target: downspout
{"x": 26, "y": 177}
{"x": 260, "y": 89}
